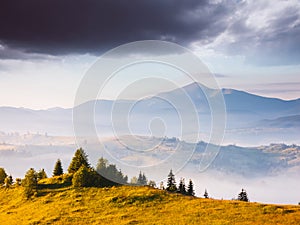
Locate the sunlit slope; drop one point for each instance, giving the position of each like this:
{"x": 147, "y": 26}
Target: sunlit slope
{"x": 134, "y": 205}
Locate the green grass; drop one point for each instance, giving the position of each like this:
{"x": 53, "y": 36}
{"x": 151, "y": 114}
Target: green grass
{"x": 133, "y": 205}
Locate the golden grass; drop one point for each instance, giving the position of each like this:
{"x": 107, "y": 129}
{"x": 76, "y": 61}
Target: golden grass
{"x": 134, "y": 205}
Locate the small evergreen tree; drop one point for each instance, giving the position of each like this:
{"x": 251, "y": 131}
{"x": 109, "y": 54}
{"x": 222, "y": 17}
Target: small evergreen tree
{"x": 41, "y": 174}
{"x": 243, "y": 196}
{"x": 190, "y": 190}
{"x": 171, "y": 184}
{"x": 3, "y": 175}
{"x": 205, "y": 194}
{"x": 101, "y": 166}
{"x": 181, "y": 186}
{"x": 81, "y": 177}
{"x": 80, "y": 159}
{"x": 58, "y": 170}
{"x": 142, "y": 180}
{"x": 30, "y": 183}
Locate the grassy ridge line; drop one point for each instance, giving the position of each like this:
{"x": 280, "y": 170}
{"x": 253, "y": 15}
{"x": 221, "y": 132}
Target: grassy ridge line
{"x": 134, "y": 205}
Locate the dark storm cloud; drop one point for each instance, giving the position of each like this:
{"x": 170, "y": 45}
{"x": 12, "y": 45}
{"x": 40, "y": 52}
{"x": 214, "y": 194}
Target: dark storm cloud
{"x": 93, "y": 26}
{"x": 31, "y": 28}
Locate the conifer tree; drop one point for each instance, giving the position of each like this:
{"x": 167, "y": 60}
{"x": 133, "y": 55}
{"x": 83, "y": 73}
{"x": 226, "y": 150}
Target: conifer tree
{"x": 3, "y": 175}
{"x": 142, "y": 180}
{"x": 205, "y": 194}
{"x": 41, "y": 174}
{"x": 101, "y": 166}
{"x": 79, "y": 159}
{"x": 30, "y": 183}
{"x": 243, "y": 196}
{"x": 171, "y": 184}
{"x": 81, "y": 177}
{"x": 58, "y": 170}
{"x": 191, "y": 191}
{"x": 88, "y": 177}
{"x": 181, "y": 186}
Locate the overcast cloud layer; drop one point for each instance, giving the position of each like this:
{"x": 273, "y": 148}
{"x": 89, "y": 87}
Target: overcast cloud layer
{"x": 265, "y": 32}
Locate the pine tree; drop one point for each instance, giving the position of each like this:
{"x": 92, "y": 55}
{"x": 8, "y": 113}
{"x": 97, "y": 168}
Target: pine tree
{"x": 81, "y": 177}
{"x": 171, "y": 184}
{"x": 243, "y": 196}
{"x": 41, "y": 174}
{"x": 181, "y": 186}
{"x": 3, "y": 175}
{"x": 190, "y": 190}
{"x": 79, "y": 159}
{"x": 58, "y": 170}
{"x": 88, "y": 177}
{"x": 205, "y": 194}
{"x": 30, "y": 183}
{"x": 142, "y": 180}
{"x": 101, "y": 166}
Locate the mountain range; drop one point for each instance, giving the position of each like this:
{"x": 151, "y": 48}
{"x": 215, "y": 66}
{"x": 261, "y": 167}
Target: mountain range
{"x": 251, "y": 119}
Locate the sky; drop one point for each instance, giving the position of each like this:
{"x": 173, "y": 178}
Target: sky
{"x": 47, "y": 46}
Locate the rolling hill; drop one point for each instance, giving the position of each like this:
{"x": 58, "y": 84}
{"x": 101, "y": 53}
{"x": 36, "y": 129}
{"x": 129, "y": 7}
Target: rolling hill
{"x": 134, "y": 205}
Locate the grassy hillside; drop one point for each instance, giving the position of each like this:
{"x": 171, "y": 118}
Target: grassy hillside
{"x": 134, "y": 205}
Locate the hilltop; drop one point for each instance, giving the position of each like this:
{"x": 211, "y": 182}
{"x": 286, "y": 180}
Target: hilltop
{"x": 134, "y": 205}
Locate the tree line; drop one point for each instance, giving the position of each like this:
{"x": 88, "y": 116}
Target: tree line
{"x": 82, "y": 174}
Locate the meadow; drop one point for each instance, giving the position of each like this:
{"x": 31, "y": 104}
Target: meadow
{"x": 59, "y": 204}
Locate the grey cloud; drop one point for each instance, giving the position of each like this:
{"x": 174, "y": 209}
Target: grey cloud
{"x": 89, "y": 26}
{"x": 56, "y": 27}
{"x": 7, "y": 53}
{"x": 275, "y": 44}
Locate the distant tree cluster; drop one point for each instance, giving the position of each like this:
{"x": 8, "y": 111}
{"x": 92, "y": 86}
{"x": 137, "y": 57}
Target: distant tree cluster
{"x": 85, "y": 175}
{"x": 110, "y": 171}
{"x": 171, "y": 185}
{"x": 142, "y": 180}
{"x": 82, "y": 174}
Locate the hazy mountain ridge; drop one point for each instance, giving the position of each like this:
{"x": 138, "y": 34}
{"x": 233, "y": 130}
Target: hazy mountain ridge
{"x": 262, "y": 120}
{"x": 272, "y": 159}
